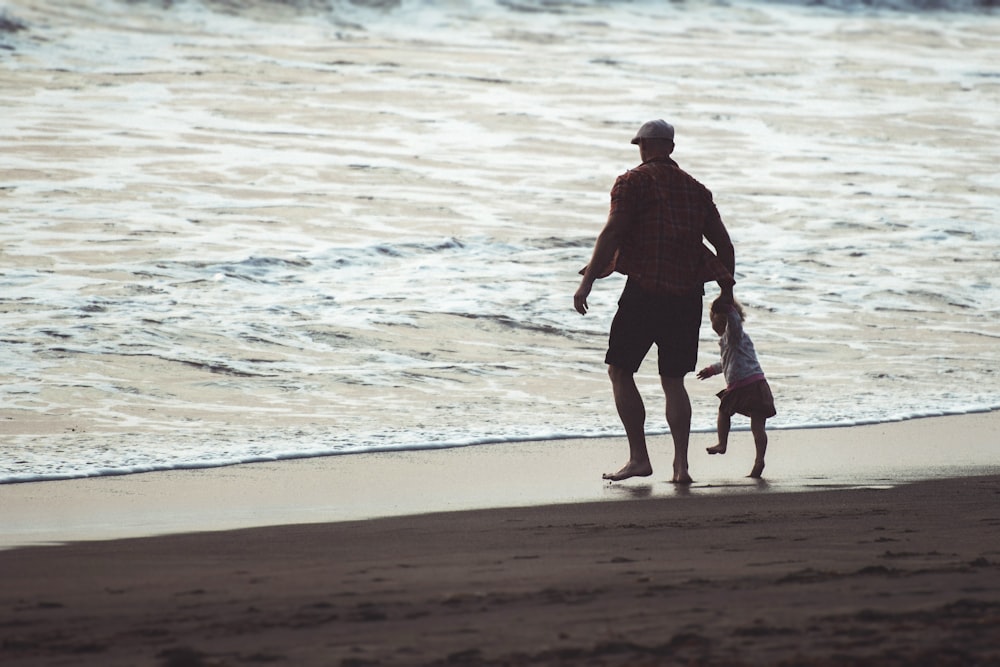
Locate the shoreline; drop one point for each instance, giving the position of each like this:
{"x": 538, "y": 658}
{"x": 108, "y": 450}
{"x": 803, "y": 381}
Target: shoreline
{"x": 51, "y": 427}
{"x": 386, "y": 484}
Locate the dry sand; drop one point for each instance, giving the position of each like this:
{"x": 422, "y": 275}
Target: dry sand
{"x": 908, "y": 575}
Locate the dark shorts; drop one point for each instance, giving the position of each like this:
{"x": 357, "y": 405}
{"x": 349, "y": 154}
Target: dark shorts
{"x": 752, "y": 400}
{"x": 672, "y": 322}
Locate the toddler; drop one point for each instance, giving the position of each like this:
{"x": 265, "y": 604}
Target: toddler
{"x": 746, "y": 392}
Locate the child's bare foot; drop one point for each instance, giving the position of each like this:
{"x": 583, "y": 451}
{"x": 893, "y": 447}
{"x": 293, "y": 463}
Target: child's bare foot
{"x": 718, "y": 449}
{"x": 631, "y": 469}
{"x": 758, "y": 470}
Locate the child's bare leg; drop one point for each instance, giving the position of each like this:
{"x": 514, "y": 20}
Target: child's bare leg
{"x": 757, "y": 425}
{"x": 723, "y": 430}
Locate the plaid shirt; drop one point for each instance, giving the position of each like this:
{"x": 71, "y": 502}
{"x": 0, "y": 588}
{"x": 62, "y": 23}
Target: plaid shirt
{"x": 666, "y": 211}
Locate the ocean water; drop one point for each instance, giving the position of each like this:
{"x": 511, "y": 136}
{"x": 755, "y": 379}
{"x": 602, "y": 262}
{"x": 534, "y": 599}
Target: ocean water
{"x": 249, "y": 230}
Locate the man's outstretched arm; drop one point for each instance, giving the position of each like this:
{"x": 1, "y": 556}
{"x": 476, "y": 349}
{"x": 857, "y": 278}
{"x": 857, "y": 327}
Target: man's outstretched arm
{"x": 717, "y": 235}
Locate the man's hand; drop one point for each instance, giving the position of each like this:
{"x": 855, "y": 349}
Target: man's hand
{"x": 580, "y": 298}
{"x": 726, "y": 294}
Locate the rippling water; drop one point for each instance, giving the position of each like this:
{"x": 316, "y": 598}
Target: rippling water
{"x": 248, "y": 230}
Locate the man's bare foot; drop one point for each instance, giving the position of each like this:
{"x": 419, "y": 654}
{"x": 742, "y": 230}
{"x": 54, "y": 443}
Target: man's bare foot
{"x": 630, "y": 469}
{"x": 718, "y": 449}
{"x": 758, "y": 470}
{"x": 682, "y": 478}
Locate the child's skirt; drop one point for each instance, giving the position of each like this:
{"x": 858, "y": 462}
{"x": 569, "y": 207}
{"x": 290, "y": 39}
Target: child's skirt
{"x": 752, "y": 400}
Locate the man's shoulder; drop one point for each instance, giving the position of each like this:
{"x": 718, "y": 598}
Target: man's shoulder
{"x": 678, "y": 172}
{"x": 665, "y": 168}
{"x": 645, "y": 172}
{"x": 631, "y": 179}
{"x": 632, "y": 175}
{"x": 660, "y": 174}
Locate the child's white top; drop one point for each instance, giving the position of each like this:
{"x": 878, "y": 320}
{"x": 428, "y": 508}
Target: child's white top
{"x": 739, "y": 359}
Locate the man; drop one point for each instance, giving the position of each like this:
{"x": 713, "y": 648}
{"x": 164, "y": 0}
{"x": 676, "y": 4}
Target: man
{"x": 659, "y": 216}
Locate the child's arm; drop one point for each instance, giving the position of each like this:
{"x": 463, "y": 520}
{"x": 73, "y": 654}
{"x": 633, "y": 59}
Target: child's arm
{"x": 734, "y": 323}
{"x": 709, "y": 371}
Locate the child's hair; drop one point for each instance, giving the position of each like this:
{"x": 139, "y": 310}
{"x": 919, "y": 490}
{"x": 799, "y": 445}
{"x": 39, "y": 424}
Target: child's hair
{"x": 719, "y": 306}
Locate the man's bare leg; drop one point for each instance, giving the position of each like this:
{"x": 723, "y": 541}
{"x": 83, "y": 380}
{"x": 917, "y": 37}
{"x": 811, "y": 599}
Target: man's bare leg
{"x": 632, "y": 412}
{"x": 679, "y": 421}
{"x": 723, "y": 424}
{"x": 757, "y": 426}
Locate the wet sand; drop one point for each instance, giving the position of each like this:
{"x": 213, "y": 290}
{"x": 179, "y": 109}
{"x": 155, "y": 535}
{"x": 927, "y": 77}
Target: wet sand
{"x": 640, "y": 573}
{"x": 365, "y": 486}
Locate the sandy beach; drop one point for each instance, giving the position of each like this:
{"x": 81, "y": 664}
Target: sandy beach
{"x": 544, "y": 572}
